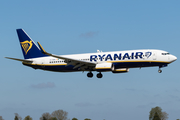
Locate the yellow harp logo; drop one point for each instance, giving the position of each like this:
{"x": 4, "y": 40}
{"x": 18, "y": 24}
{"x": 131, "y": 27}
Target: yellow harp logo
{"x": 26, "y": 45}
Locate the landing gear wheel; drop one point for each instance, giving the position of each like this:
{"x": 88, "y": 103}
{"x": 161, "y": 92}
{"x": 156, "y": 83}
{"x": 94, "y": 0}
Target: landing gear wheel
{"x": 160, "y": 71}
{"x": 99, "y": 75}
{"x": 90, "y": 74}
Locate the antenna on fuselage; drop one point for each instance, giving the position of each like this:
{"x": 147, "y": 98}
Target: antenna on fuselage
{"x": 98, "y": 51}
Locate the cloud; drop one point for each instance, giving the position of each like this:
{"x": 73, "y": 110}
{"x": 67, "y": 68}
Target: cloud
{"x": 146, "y": 105}
{"x": 87, "y": 104}
{"x": 44, "y": 85}
{"x": 174, "y": 97}
{"x": 89, "y": 34}
{"x": 157, "y": 95}
{"x": 130, "y": 89}
{"x": 135, "y": 90}
{"x": 84, "y": 104}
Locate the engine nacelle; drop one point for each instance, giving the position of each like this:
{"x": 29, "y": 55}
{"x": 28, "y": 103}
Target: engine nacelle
{"x": 102, "y": 67}
{"x": 119, "y": 70}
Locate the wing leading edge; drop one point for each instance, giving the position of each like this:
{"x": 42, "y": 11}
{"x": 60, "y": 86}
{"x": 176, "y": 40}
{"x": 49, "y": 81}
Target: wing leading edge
{"x": 70, "y": 61}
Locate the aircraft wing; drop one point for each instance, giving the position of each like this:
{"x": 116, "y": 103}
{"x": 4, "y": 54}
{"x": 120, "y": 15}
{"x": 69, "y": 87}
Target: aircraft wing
{"x": 70, "y": 61}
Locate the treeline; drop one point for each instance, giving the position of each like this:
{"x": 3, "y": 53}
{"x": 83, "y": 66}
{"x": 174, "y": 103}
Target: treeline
{"x": 56, "y": 115}
{"x": 155, "y": 114}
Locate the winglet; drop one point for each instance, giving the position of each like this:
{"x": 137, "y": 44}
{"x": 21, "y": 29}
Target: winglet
{"x": 41, "y": 48}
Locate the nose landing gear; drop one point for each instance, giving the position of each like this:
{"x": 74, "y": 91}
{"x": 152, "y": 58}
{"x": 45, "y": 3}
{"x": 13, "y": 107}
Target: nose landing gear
{"x": 160, "y": 71}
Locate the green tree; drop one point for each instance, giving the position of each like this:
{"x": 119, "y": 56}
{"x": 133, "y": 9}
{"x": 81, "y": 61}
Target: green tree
{"x": 164, "y": 116}
{"x": 16, "y": 118}
{"x": 1, "y": 118}
{"x": 53, "y": 118}
{"x": 60, "y": 114}
{"x": 74, "y": 119}
{"x": 87, "y": 119}
{"x": 45, "y": 116}
{"x": 28, "y": 118}
{"x": 158, "y": 110}
{"x": 156, "y": 117}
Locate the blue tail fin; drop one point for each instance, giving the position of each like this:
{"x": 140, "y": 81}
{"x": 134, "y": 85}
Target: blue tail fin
{"x": 29, "y": 48}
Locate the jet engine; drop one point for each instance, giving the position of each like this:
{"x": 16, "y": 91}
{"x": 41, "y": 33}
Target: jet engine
{"x": 119, "y": 70}
{"x": 110, "y": 67}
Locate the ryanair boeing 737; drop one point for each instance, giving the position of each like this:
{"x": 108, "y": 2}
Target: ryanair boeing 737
{"x": 116, "y": 62}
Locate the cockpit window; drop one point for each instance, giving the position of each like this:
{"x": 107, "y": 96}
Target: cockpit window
{"x": 165, "y": 53}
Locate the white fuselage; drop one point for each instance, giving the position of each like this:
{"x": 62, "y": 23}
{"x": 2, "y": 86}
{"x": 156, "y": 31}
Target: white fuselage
{"x": 116, "y": 62}
{"x": 121, "y": 59}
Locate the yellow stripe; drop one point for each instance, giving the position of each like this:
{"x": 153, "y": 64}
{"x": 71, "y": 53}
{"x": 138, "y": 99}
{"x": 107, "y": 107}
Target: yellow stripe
{"x": 96, "y": 68}
{"x": 138, "y": 61}
{"x": 44, "y": 64}
{"x": 104, "y": 68}
{"x": 119, "y": 70}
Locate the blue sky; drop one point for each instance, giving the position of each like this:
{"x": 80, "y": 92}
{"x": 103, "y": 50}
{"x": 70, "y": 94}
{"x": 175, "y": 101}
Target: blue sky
{"x": 83, "y": 26}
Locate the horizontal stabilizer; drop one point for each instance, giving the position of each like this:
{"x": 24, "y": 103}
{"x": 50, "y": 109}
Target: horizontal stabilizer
{"x": 22, "y": 60}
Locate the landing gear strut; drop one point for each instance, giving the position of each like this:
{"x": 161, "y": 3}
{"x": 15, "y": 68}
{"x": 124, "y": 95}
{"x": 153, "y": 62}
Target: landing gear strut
{"x": 90, "y": 74}
{"x": 160, "y": 71}
{"x": 99, "y": 75}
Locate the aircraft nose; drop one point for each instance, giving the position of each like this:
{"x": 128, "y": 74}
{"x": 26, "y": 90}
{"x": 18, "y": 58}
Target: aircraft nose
{"x": 173, "y": 58}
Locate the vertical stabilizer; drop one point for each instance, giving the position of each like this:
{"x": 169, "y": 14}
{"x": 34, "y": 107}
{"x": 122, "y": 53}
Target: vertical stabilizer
{"x": 29, "y": 48}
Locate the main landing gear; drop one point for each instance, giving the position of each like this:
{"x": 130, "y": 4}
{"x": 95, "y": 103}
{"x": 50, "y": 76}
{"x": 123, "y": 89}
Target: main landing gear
{"x": 90, "y": 75}
{"x": 99, "y": 75}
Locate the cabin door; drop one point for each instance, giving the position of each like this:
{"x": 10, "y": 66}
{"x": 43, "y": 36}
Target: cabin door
{"x": 42, "y": 63}
{"x": 154, "y": 56}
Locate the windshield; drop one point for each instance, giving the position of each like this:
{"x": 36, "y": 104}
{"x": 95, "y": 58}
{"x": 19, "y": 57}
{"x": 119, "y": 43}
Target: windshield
{"x": 165, "y": 53}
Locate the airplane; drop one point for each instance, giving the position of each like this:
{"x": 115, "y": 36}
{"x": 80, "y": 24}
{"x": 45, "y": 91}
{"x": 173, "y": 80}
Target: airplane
{"x": 115, "y": 62}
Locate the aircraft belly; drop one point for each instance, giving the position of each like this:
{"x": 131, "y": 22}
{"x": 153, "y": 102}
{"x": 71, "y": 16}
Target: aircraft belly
{"x": 70, "y": 68}
{"x": 137, "y": 64}
{"x": 55, "y": 68}
{"x": 60, "y": 68}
